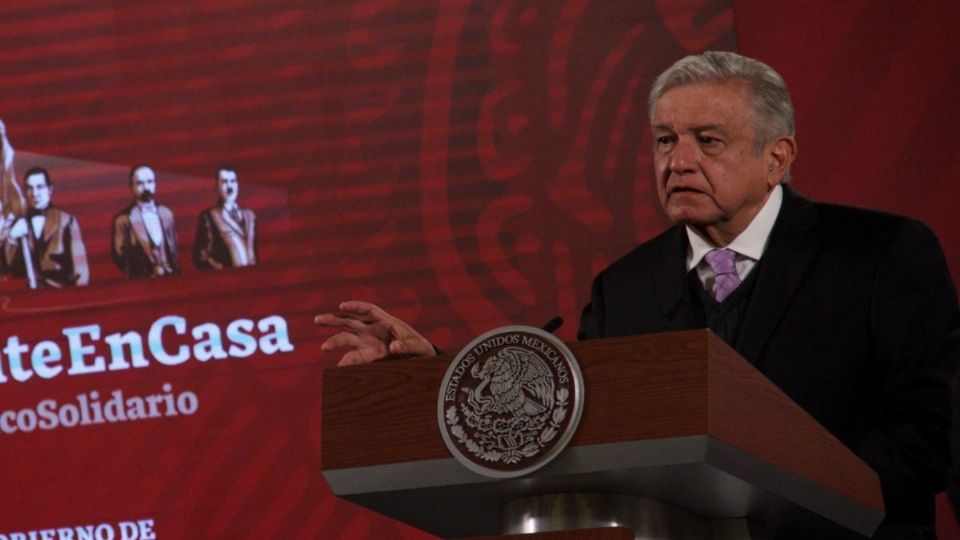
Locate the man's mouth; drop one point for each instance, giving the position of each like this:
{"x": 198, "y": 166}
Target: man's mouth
{"x": 684, "y": 189}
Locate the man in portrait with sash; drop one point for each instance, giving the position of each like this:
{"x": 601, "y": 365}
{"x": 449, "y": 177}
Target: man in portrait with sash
{"x": 144, "y": 237}
{"x": 226, "y": 233}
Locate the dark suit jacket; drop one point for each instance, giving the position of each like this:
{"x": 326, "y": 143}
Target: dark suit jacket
{"x": 59, "y": 256}
{"x": 132, "y": 250}
{"x": 212, "y": 249}
{"x": 851, "y": 315}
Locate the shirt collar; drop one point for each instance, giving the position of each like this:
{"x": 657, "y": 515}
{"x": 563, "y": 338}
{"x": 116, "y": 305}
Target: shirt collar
{"x": 750, "y": 243}
{"x": 150, "y": 207}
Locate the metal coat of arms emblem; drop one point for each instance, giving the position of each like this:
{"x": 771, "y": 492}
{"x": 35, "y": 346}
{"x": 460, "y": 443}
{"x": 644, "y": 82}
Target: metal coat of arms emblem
{"x": 510, "y": 401}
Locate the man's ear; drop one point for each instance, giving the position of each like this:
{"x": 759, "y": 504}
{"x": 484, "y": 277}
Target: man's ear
{"x": 780, "y": 154}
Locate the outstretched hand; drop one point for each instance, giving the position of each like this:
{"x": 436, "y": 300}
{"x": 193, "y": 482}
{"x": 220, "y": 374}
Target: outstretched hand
{"x": 371, "y": 334}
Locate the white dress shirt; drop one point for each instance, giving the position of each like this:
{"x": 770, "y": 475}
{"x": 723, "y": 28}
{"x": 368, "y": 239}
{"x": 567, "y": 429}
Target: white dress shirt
{"x": 151, "y": 220}
{"x": 749, "y": 245}
{"x": 38, "y": 222}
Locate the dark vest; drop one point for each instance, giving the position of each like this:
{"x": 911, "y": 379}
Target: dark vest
{"x": 723, "y": 318}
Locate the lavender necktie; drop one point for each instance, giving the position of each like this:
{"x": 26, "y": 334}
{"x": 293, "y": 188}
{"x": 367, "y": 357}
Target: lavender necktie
{"x": 726, "y": 279}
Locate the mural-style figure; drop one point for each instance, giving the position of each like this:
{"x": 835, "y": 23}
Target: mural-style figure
{"x": 11, "y": 198}
{"x": 45, "y": 246}
{"x": 144, "y": 237}
{"x": 226, "y": 233}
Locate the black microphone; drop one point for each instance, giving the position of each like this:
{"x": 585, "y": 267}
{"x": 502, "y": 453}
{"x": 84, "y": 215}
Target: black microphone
{"x": 553, "y": 324}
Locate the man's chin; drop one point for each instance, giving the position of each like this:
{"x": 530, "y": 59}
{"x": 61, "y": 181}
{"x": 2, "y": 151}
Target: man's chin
{"x": 693, "y": 216}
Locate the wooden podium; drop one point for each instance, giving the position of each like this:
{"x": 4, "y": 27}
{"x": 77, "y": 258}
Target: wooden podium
{"x": 678, "y": 418}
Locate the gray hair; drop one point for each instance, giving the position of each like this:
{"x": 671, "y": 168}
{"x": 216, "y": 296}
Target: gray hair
{"x": 769, "y": 98}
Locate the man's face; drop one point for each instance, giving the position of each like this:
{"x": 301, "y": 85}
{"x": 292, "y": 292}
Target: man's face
{"x": 143, "y": 183}
{"x": 38, "y": 191}
{"x": 228, "y": 186}
{"x": 708, "y": 174}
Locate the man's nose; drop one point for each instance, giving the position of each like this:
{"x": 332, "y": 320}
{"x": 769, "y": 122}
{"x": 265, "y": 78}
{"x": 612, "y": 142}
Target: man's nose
{"x": 683, "y": 160}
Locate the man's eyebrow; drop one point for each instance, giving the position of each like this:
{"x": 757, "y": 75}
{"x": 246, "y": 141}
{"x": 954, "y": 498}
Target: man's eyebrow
{"x": 693, "y": 129}
{"x": 708, "y": 127}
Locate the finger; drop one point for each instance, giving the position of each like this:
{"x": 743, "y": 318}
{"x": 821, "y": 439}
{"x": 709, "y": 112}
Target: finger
{"x": 345, "y": 361}
{"x": 363, "y": 310}
{"x": 397, "y": 347}
{"x": 405, "y": 333}
{"x": 400, "y": 329}
{"x": 352, "y": 309}
{"x": 343, "y": 339}
{"x": 325, "y": 319}
{"x": 336, "y": 321}
{"x": 353, "y": 358}
{"x": 417, "y": 346}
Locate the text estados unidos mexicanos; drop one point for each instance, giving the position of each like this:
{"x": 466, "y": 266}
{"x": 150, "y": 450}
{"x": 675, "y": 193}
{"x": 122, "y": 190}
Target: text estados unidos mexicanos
{"x": 169, "y": 341}
{"x": 142, "y": 529}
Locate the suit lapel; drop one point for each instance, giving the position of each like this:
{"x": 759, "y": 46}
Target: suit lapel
{"x": 249, "y": 236}
{"x": 670, "y": 282}
{"x": 791, "y": 248}
{"x": 51, "y": 224}
{"x": 229, "y": 221}
{"x": 167, "y": 227}
{"x": 140, "y": 231}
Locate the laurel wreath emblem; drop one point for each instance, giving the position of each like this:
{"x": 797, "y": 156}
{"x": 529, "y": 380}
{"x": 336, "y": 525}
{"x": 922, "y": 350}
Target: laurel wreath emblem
{"x": 510, "y": 401}
{"x": 494, "y": 438}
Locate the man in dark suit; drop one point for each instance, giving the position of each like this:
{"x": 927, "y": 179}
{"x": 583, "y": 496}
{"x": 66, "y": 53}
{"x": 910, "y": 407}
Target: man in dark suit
{"x": 144, "y": 238}
{"x": 45, "y": 246}
{"x": 226, "y": 233}
{"x": 851, "y": 312}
